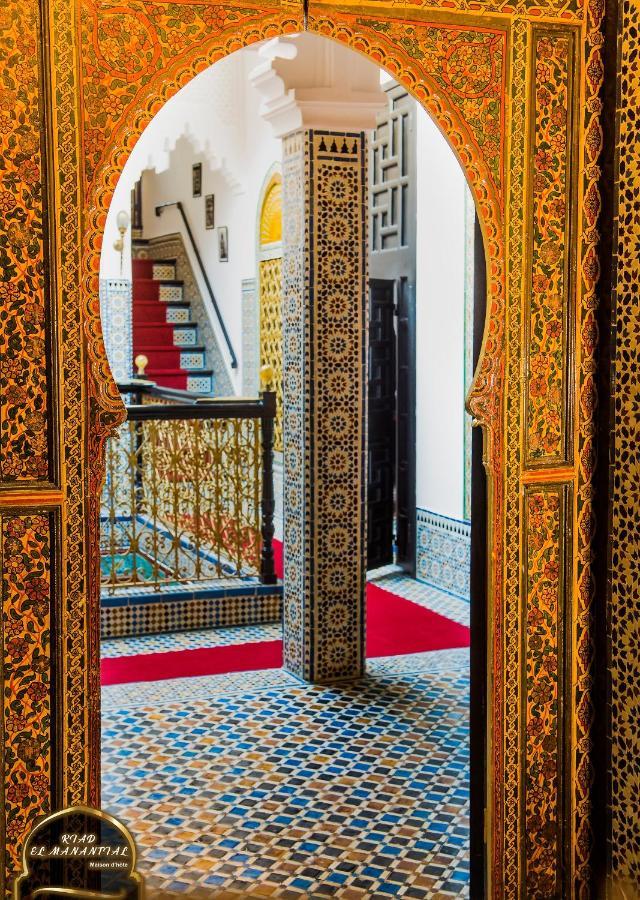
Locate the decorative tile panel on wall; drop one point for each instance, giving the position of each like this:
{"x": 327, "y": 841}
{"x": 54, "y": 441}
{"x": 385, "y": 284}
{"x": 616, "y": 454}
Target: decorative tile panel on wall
{"x": 124, "y": 616}
{"x": 26, "y": 553}
{"x": 171, "y": 246}
{"x": 550, "y": 306}
{"x": 324, "y": 289}
{"x": 115, "y": 314}
{"x": 297, "y": 432}
{"x": 443, "y": 552}
{"x": 250, "y": 339}
{"x": 624, "y": 560}
{"x": 278, "y": 492}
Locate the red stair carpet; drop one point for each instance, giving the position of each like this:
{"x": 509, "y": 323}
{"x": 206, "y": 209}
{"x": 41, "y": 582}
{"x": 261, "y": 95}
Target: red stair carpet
{"x": 152, "y": 334}
{"x": 394, "y": 626}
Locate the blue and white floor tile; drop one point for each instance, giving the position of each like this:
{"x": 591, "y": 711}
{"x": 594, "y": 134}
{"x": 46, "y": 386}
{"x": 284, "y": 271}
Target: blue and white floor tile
{"x": 253, "y": 784}
{"x": 189, "y": 640}
{"x": 295, "y": 791}
{"x": 454, "y": 608}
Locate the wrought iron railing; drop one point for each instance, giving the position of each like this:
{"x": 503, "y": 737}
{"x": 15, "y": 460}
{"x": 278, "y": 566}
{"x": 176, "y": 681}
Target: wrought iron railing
{"x": 188, "y": 495}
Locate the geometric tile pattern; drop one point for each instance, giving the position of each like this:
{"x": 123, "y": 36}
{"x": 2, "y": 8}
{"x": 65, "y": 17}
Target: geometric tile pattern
{"x": 324, "y": 288}
{"x": 250, "y": 338}
{"x": 145, "y": 614}
{"x": 443, "y": 556}
{"x": 112, "y": 648}
{"x": 454, "y": 608}
{"x": 115, "y": 316}
{"x": 203, "y": 687}
{"x": 299, "y": 791}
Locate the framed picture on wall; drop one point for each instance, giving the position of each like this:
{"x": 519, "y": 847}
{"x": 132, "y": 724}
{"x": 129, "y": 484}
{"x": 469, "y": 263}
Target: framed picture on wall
{"x": 223, "y": 244}
{"x": 196, "y": 179}
{"x": 209, "y": 211}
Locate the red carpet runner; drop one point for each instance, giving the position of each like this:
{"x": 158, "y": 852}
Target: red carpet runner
{"x": 394, "y": 626}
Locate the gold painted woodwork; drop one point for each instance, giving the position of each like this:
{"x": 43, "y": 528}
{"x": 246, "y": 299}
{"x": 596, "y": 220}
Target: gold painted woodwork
{"x": 624, "y": 572}
{"x": 92, "y": 106}
{"x": 271, "y": 217}
{"x": 270, "y": 283}
{"x": 270, "y": 293}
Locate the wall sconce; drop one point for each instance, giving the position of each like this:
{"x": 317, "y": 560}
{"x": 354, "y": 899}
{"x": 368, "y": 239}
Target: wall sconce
{"x": 122, "y": 221}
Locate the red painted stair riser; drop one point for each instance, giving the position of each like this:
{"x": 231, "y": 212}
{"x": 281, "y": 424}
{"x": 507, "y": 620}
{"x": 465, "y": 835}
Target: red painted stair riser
{"x": 153, "y": 336}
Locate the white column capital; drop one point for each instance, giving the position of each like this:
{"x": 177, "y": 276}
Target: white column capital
{"x": 308, "y": 81}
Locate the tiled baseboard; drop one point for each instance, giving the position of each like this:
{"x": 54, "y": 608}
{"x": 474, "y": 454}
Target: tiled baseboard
{"x": 443, "y": 552}
{"x": 147, "y": 615}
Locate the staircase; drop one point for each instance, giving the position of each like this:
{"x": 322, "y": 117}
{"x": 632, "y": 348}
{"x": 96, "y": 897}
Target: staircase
{"x": 163, "y": 330}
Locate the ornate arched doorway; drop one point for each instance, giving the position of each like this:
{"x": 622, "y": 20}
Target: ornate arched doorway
{"x": 483, "y": 168}
{"x": 522, "y": 156}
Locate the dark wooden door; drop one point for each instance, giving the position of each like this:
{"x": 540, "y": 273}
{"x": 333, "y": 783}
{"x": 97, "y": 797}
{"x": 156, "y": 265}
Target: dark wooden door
{"x": 381, "y": 422}
{"x": 479, "y": 633}
{"x": 406, "y": 428}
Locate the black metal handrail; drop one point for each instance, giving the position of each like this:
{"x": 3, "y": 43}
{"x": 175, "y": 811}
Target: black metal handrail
{"x": 138, "y": 387}
{"x": 178, "y": 205}
{"x": 220, "y": 408}
{"x": 185, "y": 405}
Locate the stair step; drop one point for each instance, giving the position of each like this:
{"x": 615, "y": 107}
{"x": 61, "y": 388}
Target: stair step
{"x": 165, "y": 357}
{"x": 178, "y": 313}
{"x": 153, "y": 268}
{"x": 165, "y": 268}
{"x": 200, "y": 381}
{"x": 185, "y": 334}
{"x": 192, "y": 358}
{"x": 164, "y": 291}
{"x": 150, "y": 311}
{"x": 168, "y": 355}
{"x": 176, "y": 334}
{"x": 142, "y": 268}
{"x": 158, "y": 333}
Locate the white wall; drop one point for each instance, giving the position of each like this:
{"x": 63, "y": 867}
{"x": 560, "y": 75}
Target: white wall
{"x": 213, "y": 120}
{"x": 440, "y": 282}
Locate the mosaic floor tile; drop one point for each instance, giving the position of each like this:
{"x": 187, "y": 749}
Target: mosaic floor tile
{"x": 390, "y": 578}
{"x": 189, "y": 640}
{"x": 453, "y": 608}
{"x": 160, "y": 693}
{"x": 286, "y": 790}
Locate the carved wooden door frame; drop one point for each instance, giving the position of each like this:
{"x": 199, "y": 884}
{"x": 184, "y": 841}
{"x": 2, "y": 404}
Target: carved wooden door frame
{"x": 514, "y": 88}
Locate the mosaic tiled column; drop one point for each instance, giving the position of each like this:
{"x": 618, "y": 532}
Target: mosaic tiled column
{"x": 324, "y": 327}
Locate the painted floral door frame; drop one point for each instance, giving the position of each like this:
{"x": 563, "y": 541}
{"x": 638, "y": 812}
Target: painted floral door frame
{"x": 514, "y": 87}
